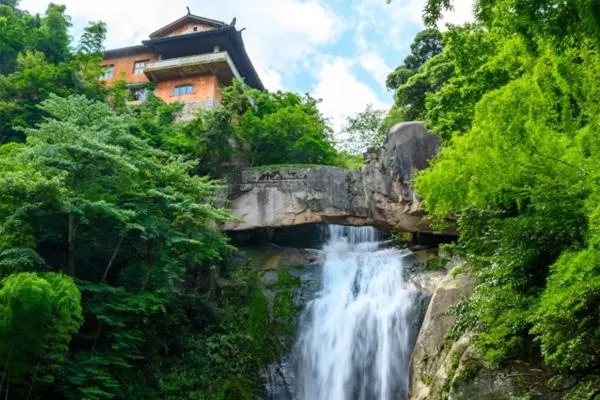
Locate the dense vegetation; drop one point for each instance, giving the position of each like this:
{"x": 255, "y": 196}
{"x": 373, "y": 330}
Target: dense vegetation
{"x": 114, "y": 282}
{"x": 515, "y": 97}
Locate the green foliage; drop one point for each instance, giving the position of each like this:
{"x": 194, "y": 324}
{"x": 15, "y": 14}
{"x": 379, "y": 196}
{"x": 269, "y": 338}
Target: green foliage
{"x": 482, "y": 61}
{"x": 251, "y": 128}
{"x": 229, "y": 359}
{"x": 567, "y": 322}
{"x": 35, "y": 61}
{"x": 279, "y": 127}
{"x": 286, "y": 280}
{"x": 54, "y": 37}
{"x": 426, "y": 45}
{"x": 349, "y": 161}
{"x": 206, "y": 137}
{"x": 38, "y": 316}
{"x": 92, "y": 39}
{"x": 364, "y": 130}
{"x": 518, "y": 169}
{"x": 87, "y": 196}
{"x": 422, "y": 72}
{"x": 436, "y": 264}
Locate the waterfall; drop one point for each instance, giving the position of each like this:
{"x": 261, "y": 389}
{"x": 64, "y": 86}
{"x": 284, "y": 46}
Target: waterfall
{"x": 355, "y": 336}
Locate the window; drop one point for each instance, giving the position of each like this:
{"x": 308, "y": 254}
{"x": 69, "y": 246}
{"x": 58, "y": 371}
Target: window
{"x": 109, "y": 71}
{"x": 138, "y": 67}
{"x": 138, "y": 93}
{"x": 182, "y": 89}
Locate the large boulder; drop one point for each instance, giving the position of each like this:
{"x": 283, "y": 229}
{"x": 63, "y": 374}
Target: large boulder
{"x": 386, "y": 176}
{"x": 451, "y": 368}
{"x": 430, "y": 365}
{"x": 377, "y": 194}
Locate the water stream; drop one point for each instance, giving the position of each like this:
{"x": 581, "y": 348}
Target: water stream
{"x": 356, "y": 335}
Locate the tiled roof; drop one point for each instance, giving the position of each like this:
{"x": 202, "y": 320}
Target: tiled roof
{"x": 186, "y": 18}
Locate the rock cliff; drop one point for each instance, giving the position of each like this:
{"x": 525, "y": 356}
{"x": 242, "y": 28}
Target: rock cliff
{"x": 377, "y": 194}
{"x": 453, "y": 369}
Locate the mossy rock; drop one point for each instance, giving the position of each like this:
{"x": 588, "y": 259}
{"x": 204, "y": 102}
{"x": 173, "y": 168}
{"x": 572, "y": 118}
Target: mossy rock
{"x": 587, "y": 388}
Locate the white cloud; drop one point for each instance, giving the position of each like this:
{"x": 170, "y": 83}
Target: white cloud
{"x": 462, "y": 12}
{"x": 390, "y": 21}
{"x": 280, "y": 34}
{"x": 285, "y": 39}
{"x": 271, "y": 79}
{"x": 129, "y": 21}
{"x": 375, "y": 64}
{"x": 341, "y": 92}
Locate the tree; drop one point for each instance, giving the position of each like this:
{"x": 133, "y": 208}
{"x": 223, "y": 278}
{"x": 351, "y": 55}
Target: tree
{"x": 15, "y": 30}
{"x": 481, "y": 61}
{"x": 568, "y": 318}
{"x": 365, "y": 130}
{"x": 128, "y": 220}
{"x": 280, "y": 128}
{"x": 54, "y": 40}
{"x": 38, "y": 316}
{"x": 526, "y": 155}
{"x": 426, "y": 45}
{"x": 36, "y": 60}
{"x": 10, "y": 3}
{"x": 559, "y": 22}
{"x": 111, "y": 195}
{"x": 92, "y": 39}
{"x": 423, "y": 72}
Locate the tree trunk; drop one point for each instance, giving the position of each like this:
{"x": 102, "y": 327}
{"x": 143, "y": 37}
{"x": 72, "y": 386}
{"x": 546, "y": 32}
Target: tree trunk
{"x": 37, "y": 367}
{"x": 5, "y": 371}
{"x": 96, "y": 337}
{"x": 71, "y": 241}
{"x": 213, "y": 284}
{"x": 112, "y": 258}
{"x": 150, "y": 256}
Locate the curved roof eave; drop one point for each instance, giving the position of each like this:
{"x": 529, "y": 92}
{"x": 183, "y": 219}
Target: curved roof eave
{"x": 237, "y": 51}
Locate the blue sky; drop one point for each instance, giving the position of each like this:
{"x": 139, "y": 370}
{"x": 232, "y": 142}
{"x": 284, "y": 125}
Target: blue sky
{"x": 338, "y": 50}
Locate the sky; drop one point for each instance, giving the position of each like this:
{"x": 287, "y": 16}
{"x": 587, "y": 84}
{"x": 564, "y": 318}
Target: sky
{"x": 339, "y": 51}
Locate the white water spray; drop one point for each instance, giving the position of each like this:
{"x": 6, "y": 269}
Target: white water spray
{"x": 355, "y": 335}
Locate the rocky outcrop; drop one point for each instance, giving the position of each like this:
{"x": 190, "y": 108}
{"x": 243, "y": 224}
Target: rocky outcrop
{"x": 386, "y": 176}
{"x": 430, "y": 366}
{"x": 452, "y": 368}
{"x": 377, "y": 194}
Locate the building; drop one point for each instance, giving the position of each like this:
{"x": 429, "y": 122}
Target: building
{"x": 189, "y": 61}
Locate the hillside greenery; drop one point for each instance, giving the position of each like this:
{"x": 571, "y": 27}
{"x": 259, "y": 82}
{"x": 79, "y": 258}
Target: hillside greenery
{"x": 514, "y": 95}
{"x": 114, "y": 280}
{"x": 116, "y": 284}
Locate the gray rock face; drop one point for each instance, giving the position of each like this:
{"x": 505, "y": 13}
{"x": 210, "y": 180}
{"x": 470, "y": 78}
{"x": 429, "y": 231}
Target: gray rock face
{"x": 431, "y": 363}
{"x": 377, "y": 194}
{"x": 448, "y": 369}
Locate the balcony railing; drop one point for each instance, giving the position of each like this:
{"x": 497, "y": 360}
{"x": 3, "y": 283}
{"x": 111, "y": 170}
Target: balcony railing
{"x": 218, "y": 63}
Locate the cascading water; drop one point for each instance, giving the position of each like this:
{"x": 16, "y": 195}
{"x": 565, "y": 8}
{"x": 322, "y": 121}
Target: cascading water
{"x": 356, "y": 334}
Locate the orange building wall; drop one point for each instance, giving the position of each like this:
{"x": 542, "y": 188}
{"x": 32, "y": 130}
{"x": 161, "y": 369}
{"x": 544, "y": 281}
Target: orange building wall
{"x": 218, "y": 96}
{"x": 189, "y": 27}
{"x": 206, "y": 88}
{"x": 124, "y": 68}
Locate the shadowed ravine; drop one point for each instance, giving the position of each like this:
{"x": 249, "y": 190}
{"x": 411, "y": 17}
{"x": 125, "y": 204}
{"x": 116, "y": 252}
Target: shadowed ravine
{"x": 355, "y": 336}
